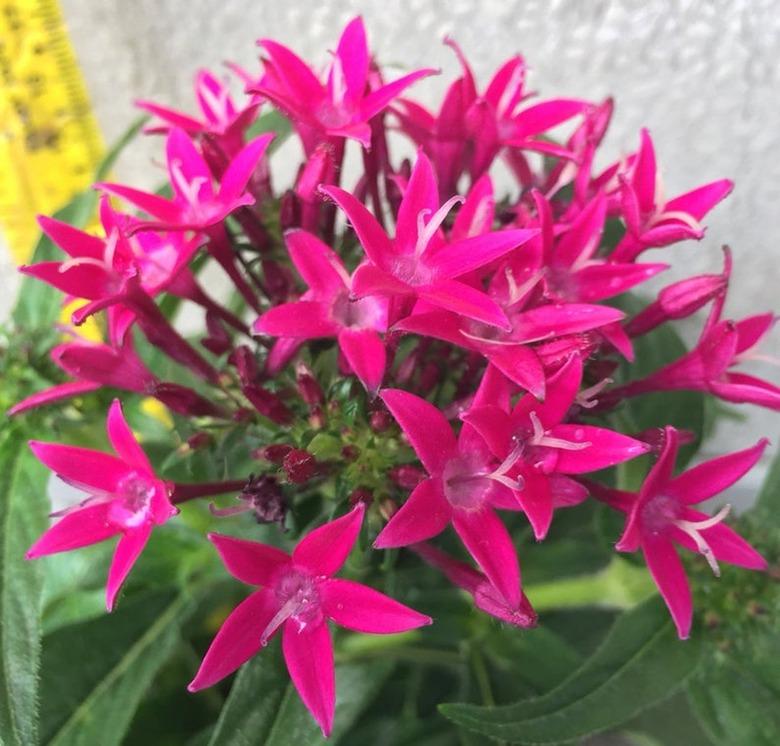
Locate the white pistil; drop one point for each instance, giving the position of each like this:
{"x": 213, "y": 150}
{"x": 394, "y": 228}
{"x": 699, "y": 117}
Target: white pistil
{"x": 540, "y": 437}
{"x": 694, "y": 528}
{"x": 338, "y": 82}
{"x": 500, "y": 473}
{"x": 217, "y": 104}
{"x": 427, "y": 230}
{"x": 290, "y": 607}
{"x": 519, "y": 292}
{"x": 680, "y": 215}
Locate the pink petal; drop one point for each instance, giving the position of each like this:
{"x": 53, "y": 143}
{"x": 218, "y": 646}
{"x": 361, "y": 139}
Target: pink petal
{"x": 536, "y": 500}
{"x": 79, "y": 528}
{"x": 583, "y": 237}
{"x": 457, "y": 259}
{"x": 600, "y": 281}
{"x": 362, "y": 609}
{"x": 127, "y": 552}
{"x": 352, "y": 51}
{"x": 422, "y": 193}
{"x": 372, "y": 237}
{"x": 669, "y": 575}
{"x": 698, "y": 202}
{"x": 233, "y": 183}
{"x": 123, "y": 440}
{"x": 83, "y": 468}
{"x": 476, "y": 215}
{"x": 173, "y": 117}
{"x": 251, "y": 562}
{"x": 512, "y": 71}
{"x": 606, "y": 448}
{"x": 72, "y": 241}
{"x": 303, "y": 320}
{"x": 371, "y": 280}
{"x": 726, "y": 544}
{"x": 494, "y": 426}
{"x": 324, "y": 550}
{"x": 490, "y": 544}
{"x": 158, "y": 207}
{"x": 425, "y": 514}
{"x": 712, "y": 477}
{"x": 543, "y": 322}
{"x": 294, "y": 72}
{"x": 752, "y": 329}
{"x": 539, "y": 118}
{"x": 741, "y": 388}
{"x": 424, "y": 425}
{"x": 365, "y": 353}
{"x": 460, "y": 298}
{"x": 644, "y": 177}
{"x": 377, "y": 100}
{"x": 238, "y": 639}
{"x": 566, "y": 492}
{"x": 184, "y": 161}
{"x": 562, "y": 389}
{"x": 519, "y": 364}
{"x": 317, "y": 263}
{"x": 52, "y": 395}
{"x": 308, "y": 652}
{"x": 80, "y": 280}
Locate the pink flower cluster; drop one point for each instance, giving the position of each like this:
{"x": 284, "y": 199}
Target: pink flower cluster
{"x": 499, "y": 306}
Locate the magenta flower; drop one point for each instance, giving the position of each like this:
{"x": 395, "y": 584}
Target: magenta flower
{"x": 195, "y": 205}
{"x": 659, "y": 516}
{"x": 343, "y": 106}
{"x": 328, "y": 309}
{"x": 486, "y": 597}
{"x": 220, "y": 116}
{"x": 650, "y": 219}
{"x": 299, "y": 594}
{"x": 418, "y": 262}
{"x": 539, "y": 450}
{"x": 126, "y": 499}
{"x": 464, "y": 483}
{"x": 707, "y": 367}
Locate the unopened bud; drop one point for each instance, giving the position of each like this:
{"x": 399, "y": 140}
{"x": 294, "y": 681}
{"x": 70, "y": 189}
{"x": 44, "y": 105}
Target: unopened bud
{"x": 407, "y": 476}
{"x": 299, "y": 465}
{"x": 274, "y": 453}
{"x": 360, "y": 495}
{"x": 268, "y": 404}
{"x": 379, "y": 420}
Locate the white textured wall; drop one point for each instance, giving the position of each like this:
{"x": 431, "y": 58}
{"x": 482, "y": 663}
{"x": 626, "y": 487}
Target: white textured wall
{"x": 704, "y": 76}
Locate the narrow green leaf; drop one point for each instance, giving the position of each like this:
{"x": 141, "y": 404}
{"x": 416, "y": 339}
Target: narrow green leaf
{"x": 22, "y": 518}
{"x": 734, "y": 706}
{"x": 110, "y": 158}
{"x": 95, "y": 673}
{"x": 264, "y": 709}
{"x": 639, "y": 664}
{"x": 272, "y": 121}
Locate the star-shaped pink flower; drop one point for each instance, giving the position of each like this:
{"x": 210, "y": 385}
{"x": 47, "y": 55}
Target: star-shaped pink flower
{"x": 126, "y": 499}
{"x": 298, "y": 594}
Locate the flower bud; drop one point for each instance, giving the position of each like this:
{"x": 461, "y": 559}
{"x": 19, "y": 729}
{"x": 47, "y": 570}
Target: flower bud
{"x": 268, "y": 404}
{"x": 299, "y": 465}
{"x": 274, "y": 453}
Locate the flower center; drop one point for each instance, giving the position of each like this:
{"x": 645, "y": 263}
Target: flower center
{"x": 299, "y": 600}
{"x": 133, "y": 505}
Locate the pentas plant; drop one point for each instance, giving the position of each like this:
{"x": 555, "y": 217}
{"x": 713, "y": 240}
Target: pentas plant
{"x": 417, "y": 380}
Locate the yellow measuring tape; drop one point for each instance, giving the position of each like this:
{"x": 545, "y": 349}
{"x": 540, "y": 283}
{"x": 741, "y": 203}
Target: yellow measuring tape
{"x": 50, "y": 143}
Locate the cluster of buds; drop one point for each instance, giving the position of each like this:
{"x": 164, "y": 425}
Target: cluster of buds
{"x": 437, "y": 326}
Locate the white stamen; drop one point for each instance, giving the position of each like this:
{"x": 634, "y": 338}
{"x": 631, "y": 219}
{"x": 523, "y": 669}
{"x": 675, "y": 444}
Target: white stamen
{"x": 584, "y": 398}
{"x": 485, "y": 340}
{"x": 338, "y": 82}
{"x": 217, "y": 104}
{"x": 78, "y": 261}
{"x": 515, "y": 82}
{"x": 680, "y": 215}
{"x": 281, "y": 616}
{"x": 519, "y": 292}
{"x": 693, "y": 529}
{"x": 500, "y": 473}
{"x": 188, "y": 189}
{"x": 540, "y": 437}
{"x": 426, "y": 231}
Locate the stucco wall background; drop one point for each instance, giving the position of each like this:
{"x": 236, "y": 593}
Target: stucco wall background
{"x": 702, "y": 75}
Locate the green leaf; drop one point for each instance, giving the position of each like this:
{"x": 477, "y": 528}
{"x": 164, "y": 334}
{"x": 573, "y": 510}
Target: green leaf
{"x": 110, "y": 158}
{"x": 639, "y": 664}
{"x": 769, "y": 497}
{"x": 273, "y": 121}
{"x": 264, "y": 709}
{"x": 95, "y": 673}
{"x": 734, "y": 706}
{"x": 23, "y": 509}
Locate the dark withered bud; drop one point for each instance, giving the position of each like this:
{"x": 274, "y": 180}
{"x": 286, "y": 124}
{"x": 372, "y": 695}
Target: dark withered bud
{"x": 350, "y": 452}
{"x": 360, "y": 495}
{"x": 245, "y": 363}
{"x": 308, "y": 387}
{"x": 268, "y": 404}
{"x": 274, "y": 453}
{"x": 186, "y": 401}
{"x": 407, "y": 476}
{"x": 380, "y": 420}
{"x": 266, "y": 499}
{"x": 299, "y": 465}
{"x": 218, "y": 341}
{"x": 289, "y": 210}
